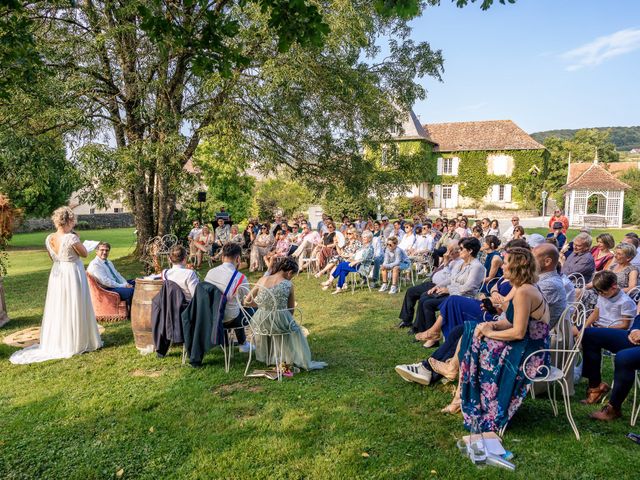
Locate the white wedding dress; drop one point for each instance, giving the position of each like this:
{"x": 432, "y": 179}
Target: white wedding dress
{"x": 68, "y": 323}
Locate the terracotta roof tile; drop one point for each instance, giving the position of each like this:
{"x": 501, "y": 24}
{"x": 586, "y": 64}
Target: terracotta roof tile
{"x": 596, "y": 177}
{"x": 616, "y": 168}
{"x": 486, "y": 135}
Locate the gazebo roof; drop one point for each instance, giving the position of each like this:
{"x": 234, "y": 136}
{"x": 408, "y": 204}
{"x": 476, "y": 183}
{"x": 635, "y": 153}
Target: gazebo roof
{"x": 596, "y": 178}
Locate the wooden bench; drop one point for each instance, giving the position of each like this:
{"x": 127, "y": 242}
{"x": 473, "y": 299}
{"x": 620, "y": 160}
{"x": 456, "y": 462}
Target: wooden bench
{"x": 594, "y": 221}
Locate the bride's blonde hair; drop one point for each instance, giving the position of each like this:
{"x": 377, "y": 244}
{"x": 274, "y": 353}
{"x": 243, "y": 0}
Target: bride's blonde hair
{"x": 63, "y": 216}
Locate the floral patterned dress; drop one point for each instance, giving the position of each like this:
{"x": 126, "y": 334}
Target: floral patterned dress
{"x": 493, "y": 381}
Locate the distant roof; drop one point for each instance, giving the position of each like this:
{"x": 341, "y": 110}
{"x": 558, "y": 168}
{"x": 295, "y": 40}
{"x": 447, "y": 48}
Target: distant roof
{"x": 485, "y": 135}
{"x": 617, "y": 168}
{"x": 412, "y": 130}
{"x": 596, "y": 177}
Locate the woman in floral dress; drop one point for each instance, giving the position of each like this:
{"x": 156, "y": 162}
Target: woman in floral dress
{"x": 492, "y": 379}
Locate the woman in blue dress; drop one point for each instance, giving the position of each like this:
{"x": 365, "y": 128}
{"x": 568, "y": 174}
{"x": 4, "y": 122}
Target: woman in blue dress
{"x": 492, "y": 262}
{"x": 492, "y": 380}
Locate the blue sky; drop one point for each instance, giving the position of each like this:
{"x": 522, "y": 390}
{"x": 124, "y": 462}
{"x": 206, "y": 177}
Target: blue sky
{"x": 545, "y": 64}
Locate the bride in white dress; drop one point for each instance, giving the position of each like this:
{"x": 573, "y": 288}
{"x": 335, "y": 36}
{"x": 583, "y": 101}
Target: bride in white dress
{"x": 68, "y": 323}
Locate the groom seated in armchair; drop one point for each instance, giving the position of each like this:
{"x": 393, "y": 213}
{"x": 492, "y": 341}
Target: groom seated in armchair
{"x": 105, "y": 273}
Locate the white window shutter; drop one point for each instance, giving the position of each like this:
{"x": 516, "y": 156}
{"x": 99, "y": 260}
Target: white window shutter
{"x": 454, "y": 167}
{"x": 507, "y": 193}
{"x": 439, "y": 167}
{"x": 454, "y": 195}
{"x": 436, "y": 195}
{"x": 495, "y": 193}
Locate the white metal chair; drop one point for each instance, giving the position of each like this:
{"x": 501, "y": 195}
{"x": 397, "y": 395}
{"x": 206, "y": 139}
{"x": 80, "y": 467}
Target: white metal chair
{"x": 562, "y": 359}
{"x": 263, "y": 326}
{"x": 406, "y": 276}
{"x": 354, "y": 277}
{"x": 635, "y": 409}
{"x": 577, "y": 279}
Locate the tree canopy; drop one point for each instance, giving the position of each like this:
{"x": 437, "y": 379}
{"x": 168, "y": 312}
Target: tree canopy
{"x": 288, "y": 86}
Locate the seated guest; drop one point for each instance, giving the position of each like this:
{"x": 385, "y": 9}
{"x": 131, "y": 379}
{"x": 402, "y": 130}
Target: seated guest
{"x": 509, "y": 234}
{"x": 493, "y": 353}
{"x": 262, "y": 245}
{"x": 602, "y": 254}
{"x": 248, "y": 235}
{"x": 307, "y": 241}
{"x": 494, "y": 228}
{"x": 440, "y": 275}
{"x": 104, "y": 272}
{"x": 235, "y": 236}
{"x": 580, "y": 261}
{"x": 278, "y": 318}
{"x": 456, "y": 310}
{"x": 518, "y": 232}
{"x": 465, "y": 280}
{"x": 345, "y": 224}
{"x": 186, "y": 278}
{"x": 423, "y": 243}
{"x": 463, "y": 229}
{"x": 614, "y": 308}
{"x": 227, "y": 278}
{"x": 441, "y": 245}
{"x": 492, "y": 261}
{"x": 345, "y": 253}
{"x": 195, "y": 232}
{"x": 222, "y": 236}
{"x": 358, "y": 263}
{"x": 395, "y": 261}
{"x": 397, "y": 231}
{"x": 203, "y": 244}
{"x": 409, "y": 238}
{"x": 281, "y": 248}
{"x": 485, "y": 223}
{"x": 626, "y": 274}
{"x": 626, "y": 345}
{"x": 378, "y": 243}
{"x": 327, "y": 247}
{"x": 557, "y": 234}
{"x": 632, "y": 239}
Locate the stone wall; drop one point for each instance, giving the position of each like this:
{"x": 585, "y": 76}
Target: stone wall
{"x": 96, "y": 221}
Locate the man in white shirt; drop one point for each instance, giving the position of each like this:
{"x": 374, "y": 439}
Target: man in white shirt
{"x": 387, "y": 228}
{"x": 227, "y": 278}
{"x": 308, "y": 240}
{"x": 508, "y": 235}
{"x": 195, "y": 231}
{"x": 104, "y": 272}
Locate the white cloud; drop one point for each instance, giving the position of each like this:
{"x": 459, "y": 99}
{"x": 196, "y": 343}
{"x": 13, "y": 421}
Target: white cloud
{"x": 603, "y": 48}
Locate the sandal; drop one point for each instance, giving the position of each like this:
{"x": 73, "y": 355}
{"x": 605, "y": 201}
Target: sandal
{"x": 452, "y": 408}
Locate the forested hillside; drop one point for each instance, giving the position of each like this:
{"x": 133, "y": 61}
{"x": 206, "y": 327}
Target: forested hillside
{"x": 624, "y": 138}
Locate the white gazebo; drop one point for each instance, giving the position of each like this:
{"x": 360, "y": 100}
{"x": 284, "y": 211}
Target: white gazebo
{"x": 595, "y": 197}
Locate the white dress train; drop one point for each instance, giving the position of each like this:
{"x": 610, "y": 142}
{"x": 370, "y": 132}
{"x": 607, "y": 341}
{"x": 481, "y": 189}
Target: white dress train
{"x": 69, "y": 324}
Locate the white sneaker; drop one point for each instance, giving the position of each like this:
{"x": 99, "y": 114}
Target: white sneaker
{"x": 383, "y": 287}
{"x": 414, "y": 373}
{"x": 246, "y": 347}
{"x": 394, "y": 290}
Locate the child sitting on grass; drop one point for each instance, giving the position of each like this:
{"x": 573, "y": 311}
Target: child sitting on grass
{"x": 614, "y": 309}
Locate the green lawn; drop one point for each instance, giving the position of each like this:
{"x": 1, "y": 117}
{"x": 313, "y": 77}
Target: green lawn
{"x": 116, "y": 413}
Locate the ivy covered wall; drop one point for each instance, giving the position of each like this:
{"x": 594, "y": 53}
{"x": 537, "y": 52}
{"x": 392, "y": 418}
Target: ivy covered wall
{"x": 406, "y": 162}
{"x": 474, "y": 181}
